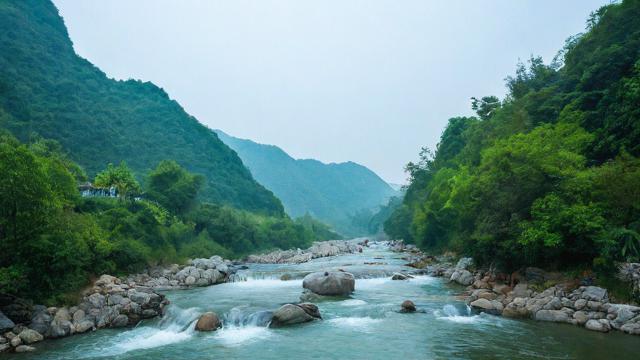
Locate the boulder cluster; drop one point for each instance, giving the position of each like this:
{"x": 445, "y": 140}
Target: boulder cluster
{"x": 198, "y": 272}
{"x": 108, "y": 303}
{"x": 317, "y": 250}
{"x": 588, "y": 306}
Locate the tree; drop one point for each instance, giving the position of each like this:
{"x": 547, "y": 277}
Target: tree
{"x": 173, "y": 187}
{"x": 119, "y": 177}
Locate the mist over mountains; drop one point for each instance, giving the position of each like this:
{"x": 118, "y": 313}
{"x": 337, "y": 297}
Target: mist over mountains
{"x": 339, "y": 194}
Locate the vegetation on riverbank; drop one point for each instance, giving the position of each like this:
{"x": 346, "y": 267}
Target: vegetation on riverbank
{"x": 548, "y": 176}
{"x": 52, "y": 241}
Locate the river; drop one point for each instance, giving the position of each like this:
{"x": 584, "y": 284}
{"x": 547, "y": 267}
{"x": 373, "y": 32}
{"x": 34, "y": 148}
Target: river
{"x": 365, "y": 326}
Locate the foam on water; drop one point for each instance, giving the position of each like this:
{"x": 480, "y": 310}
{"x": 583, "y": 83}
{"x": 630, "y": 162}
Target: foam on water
{"x": 452, "y": 314}
{"x": 238, "y": 335}
{"x": 265, "y": 283}
{"x": 151, "y": 337}
{"x": 422, "y": 279}
{"x": 353, "y": 302}
{"x": 355, "y": 323}
{"x": 366, "y": 284}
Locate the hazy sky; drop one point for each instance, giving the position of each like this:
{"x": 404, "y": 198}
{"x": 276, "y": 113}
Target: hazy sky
{"x": 367, "y": 81}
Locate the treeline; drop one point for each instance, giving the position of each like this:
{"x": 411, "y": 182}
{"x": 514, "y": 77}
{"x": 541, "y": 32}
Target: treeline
{"x": 548, "y": 176}
{"x": 46, "y": 88}
{"x": 52, "y": 240}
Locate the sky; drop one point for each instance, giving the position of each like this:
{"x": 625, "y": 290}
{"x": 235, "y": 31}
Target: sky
{"x": 370, "y": 81}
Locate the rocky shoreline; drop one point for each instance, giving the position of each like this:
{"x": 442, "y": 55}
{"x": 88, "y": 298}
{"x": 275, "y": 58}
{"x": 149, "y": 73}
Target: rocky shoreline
{"x": 110, "y": 302}
{"x": 113, "y": 302}
{"x": 526, "y": 296}
{"x": 317, "y": 250}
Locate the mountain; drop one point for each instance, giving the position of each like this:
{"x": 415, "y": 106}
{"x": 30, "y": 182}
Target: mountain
{"x": 333, "y": 193}
{"x": 47, "y": 90}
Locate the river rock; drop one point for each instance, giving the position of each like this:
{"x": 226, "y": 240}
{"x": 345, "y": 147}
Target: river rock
{"x": 621, "y": 314}
{"x": 15, "y": 341}
{"x": 552, "y": 315}
{"x": 520, "y": 290}
{"x": 290, "y": 314}
{"x": 29, "y": 336}
{"x": 462, "y": 277}
{"x": 5, "y": 323}
{"x": 208, "y": 321}
{"x": 488, "y": 306}
{"x": 83, "y": 326}
{"x": 601, "y": 325}
{"x": 332, "y": 283}
{"x": 120, "y": 321}
{"x": 517, "y": 309}
{"x": 594, "y": 293}
{"x": 400, "y": 276}
{"x": 24, "y": 348}
{"x": 96, "y": 300}
{"x": 311, "y": 309}
{"x": 61, "y": 325}
{"x": 4, "y": 347}
{"x": 407, "y": 306}
{"x": 580, "y": 304}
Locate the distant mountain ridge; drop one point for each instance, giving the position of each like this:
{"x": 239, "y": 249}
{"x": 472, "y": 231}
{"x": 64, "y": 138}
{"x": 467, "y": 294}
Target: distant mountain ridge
{"x": 333, "y": 192}
{"x": 48, "y": 90}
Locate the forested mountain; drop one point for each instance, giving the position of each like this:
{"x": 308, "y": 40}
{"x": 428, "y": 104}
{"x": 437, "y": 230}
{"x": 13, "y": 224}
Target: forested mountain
{"x": 550, "y": 175}
{"x": 333, "y": 193}
{"x": 48, "y": 90}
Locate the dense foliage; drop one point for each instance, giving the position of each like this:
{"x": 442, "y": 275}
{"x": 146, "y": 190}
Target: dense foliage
{"x": 342, "y": 195}
{"x": 548, "y": 176}
{"x": 46, "y": 88}
{"x": 52, "y": 241}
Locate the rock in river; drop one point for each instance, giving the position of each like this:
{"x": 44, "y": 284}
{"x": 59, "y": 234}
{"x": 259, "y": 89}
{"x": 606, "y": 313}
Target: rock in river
{"x": 29, "y": 336}
{"x": 291, "y": 314}
{"x": 208, "y": 321}
{"x": 332, "y": 283}
{"x": 407, "y": 306}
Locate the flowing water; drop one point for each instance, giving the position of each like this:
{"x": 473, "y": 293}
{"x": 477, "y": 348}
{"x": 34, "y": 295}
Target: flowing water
{"x": 364, "y": 326}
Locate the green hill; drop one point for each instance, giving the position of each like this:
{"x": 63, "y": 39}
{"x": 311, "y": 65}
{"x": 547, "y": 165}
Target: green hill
{"x": 333, "y": 193}
{"x": 48, "y": 90}
{"x": 550, "y": 175}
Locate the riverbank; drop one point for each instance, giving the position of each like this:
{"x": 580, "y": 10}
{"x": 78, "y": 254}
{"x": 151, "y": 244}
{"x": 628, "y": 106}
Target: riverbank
{"x": 112, "y": 302}
{"x": 529, "y": 296}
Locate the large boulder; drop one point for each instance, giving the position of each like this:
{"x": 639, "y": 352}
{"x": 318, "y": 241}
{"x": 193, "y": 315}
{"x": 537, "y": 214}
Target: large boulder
{"x": 553, "y": 316}
{"x": 594, "y": 293}
{"x": 24, "y": 348}
{"x": 601, "y": 325}
{"x": 208, "y": 321}
{"x": 488, "y": 306}
{"x": 29, "y": 336}
{"x": 5, "y": 323}
{"x": 290, "y": 314}
{"x": 462, "y": 277}
{"x": 334, "y": 283}
{"x": 61, "y": 325}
